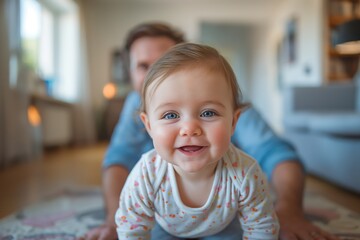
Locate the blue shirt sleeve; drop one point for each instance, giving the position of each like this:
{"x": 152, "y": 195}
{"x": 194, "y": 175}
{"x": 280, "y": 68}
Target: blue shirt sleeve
{"x": 129, "y": 139}
{"x": 255, "y": 137}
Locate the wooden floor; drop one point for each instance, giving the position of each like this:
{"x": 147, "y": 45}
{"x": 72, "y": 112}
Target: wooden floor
{"x": 27, "y": 183}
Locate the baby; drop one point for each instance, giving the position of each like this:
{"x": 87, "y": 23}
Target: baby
{"x": 195, "y": 182}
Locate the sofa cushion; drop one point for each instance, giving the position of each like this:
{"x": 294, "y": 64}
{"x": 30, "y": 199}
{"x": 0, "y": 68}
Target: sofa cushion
{"x": 332, "y": 97}
{"x": 346, "y": 123}
{"x": 335, "y": 123}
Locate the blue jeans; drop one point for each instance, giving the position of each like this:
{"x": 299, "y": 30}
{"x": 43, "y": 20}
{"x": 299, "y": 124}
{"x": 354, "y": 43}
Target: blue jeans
{"x": 232, "y": 232}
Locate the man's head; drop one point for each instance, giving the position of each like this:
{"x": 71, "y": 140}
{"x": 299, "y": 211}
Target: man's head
{"x": 145, "y": 44}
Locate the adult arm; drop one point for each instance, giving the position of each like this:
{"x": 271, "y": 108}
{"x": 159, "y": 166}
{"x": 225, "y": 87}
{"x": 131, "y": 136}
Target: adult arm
{"x": 288, "y": 184}
{"x": 135, "y": 214}
{"x": 284, "y": 170}
{"x": 114, "y": 178}
{"x": 128, "y": 142}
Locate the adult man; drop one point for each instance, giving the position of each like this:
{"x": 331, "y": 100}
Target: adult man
{"x": 145, "y": 44}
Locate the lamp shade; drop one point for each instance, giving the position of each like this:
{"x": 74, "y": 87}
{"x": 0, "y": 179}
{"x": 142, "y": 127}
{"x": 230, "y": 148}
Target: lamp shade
{"x": 347, "y": 37}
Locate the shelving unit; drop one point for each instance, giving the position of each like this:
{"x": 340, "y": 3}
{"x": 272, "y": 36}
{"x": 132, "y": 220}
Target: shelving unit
{"x": 339, "y": 66}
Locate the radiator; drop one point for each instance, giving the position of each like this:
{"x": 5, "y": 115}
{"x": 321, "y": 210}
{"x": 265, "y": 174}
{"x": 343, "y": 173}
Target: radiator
{"x": 56, "y": 121}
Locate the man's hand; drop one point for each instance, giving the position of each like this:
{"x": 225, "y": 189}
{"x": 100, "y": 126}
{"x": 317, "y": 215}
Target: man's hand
{"x": 294, "y": 226}
{"x": 288, "y": 181}
{"x": 103, "y": 232}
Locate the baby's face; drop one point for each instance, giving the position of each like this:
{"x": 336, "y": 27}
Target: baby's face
{"x": 190, "y": 118}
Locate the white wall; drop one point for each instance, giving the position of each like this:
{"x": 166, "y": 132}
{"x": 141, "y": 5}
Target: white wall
{"x": 232, "y": 41}
{"x": 108, "y": 22}
{"x": 265, "y": 92}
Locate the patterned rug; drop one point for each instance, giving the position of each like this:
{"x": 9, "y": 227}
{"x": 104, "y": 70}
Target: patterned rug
{"x": 70, "y": 213}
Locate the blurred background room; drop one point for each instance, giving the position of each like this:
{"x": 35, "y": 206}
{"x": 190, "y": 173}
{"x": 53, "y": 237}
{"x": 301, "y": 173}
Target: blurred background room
{"x": 64, "y": 79}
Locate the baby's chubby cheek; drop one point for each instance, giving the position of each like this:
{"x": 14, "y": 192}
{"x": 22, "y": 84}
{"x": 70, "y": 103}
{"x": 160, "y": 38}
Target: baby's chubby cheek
{"x": 162, "y": 137}
{"x": 220, "y": 137}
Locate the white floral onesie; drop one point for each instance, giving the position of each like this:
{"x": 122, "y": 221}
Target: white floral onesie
{"x": 239, "y": 189}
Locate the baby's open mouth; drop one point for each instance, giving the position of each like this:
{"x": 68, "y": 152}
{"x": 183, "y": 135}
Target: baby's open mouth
{"x": 191, "y": 148}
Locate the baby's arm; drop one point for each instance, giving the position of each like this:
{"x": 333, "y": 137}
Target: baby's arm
{"x": 256, "y": 211}
{"x": 135, "y": 216}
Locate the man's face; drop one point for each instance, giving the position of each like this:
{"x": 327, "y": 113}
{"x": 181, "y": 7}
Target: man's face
{"x": 143, "y": 53}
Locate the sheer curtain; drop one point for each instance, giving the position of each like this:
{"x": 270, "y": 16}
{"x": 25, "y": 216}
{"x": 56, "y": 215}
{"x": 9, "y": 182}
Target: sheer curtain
{"x": 18, "y": 140}
{"x": 85, "y": 132}
{"x": 4, "y": 74}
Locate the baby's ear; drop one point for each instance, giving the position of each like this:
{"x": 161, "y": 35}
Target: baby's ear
{"x": 236, "y": 116}
{"x": 145, "y": 119}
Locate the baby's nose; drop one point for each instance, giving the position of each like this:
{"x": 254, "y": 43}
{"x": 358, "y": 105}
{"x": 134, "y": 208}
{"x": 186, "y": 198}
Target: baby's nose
{"x": 190, "y": 129}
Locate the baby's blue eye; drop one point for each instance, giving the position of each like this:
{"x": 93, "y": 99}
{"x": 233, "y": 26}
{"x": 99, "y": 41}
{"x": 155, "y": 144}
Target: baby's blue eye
{"x": 171, "y": 115}
{"x": 207, "y": 113}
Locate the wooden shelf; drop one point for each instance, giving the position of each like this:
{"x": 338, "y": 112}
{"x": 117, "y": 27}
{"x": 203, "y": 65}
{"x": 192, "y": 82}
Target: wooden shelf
{"x": 340, "y": 66}
{"x": 334, "y": 53}
{"x": 332, "y": 78}
{"x": 334, "y": 21}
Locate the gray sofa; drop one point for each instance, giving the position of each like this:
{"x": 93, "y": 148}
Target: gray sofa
{"x": 323, "y": 123}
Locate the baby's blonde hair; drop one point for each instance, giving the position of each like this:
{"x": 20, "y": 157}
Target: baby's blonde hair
{"x": 185, "y": 55}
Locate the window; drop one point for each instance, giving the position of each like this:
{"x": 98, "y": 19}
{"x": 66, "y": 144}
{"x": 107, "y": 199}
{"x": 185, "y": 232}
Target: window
{"x": 30, "y": 29}
{"x": 37, "y": 41}
{"x": 49, "y": 42}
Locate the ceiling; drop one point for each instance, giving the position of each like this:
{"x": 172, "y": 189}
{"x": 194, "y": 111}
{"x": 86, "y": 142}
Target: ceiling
{"x": 254, "y": 2}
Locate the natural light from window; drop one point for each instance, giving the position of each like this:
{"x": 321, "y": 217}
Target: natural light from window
{"x": 30, "y": 31}
{"x": 49, "y": 39}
